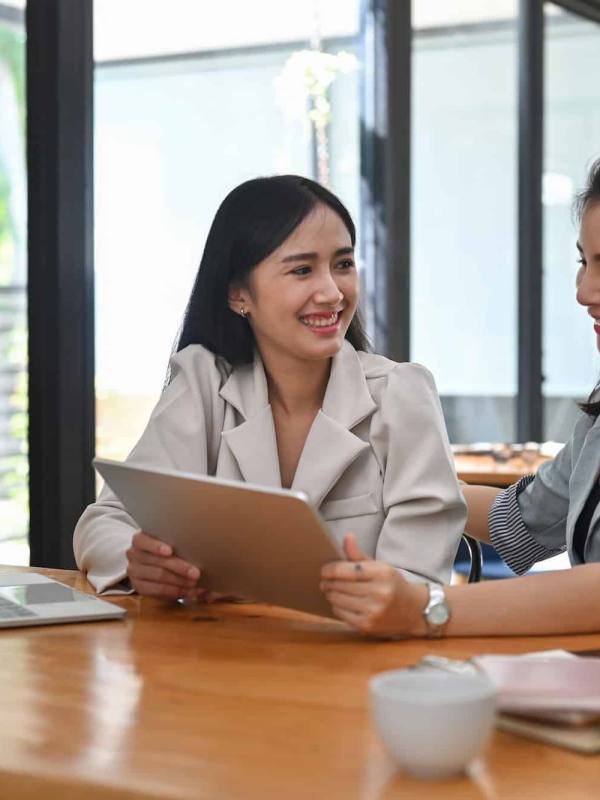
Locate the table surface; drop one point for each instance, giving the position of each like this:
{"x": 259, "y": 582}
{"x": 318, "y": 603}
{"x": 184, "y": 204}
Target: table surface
{"x": 485, "y": 470}
{"x": 234, "y": 702}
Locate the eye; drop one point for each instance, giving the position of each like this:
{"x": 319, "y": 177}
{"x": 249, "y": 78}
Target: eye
{"x": 581, "y": 261}
{"x": 300, "y": 271}
{"x": 347, "y": 263}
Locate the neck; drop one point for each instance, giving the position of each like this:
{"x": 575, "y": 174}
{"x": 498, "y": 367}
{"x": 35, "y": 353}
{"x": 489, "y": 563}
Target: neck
{"x": 296, "y": 386}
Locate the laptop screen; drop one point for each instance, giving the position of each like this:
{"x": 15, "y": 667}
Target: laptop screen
{"x": 35, "y": 593}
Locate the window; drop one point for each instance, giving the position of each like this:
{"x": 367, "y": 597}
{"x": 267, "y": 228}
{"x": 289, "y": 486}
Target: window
{"x": 572, "y": 142}
{"x": 182, "y": 116}
{"x": 463, "y": 260}
{"x": 14, "y": 516}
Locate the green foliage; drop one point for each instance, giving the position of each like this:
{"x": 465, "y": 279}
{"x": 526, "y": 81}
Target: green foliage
{"x": 12, "y": 57}
{"x": 12, "y": 54}
{"x": 13, "y": 344}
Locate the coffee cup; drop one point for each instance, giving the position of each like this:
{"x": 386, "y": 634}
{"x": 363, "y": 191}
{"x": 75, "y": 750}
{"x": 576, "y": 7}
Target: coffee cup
{"x": 434, "y": 723}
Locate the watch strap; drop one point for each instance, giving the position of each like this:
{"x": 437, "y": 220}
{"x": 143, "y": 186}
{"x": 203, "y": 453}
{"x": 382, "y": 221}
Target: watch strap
{"x": 436, "y": 613}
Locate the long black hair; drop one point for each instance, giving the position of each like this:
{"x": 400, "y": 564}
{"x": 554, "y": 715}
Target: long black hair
{"x": 253, "y": 221}
{"x": 590, "y": 195}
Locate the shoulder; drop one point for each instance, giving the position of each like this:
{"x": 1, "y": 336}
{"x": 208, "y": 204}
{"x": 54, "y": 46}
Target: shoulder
{"x": 585, "y": 432}
{"x": 385, "y": 376}
{"x": 408, "y": 410}
{"x": 196, "y": 365}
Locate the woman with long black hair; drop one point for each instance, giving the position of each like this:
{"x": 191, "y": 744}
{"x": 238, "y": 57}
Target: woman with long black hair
{"x": 272, "y": 383}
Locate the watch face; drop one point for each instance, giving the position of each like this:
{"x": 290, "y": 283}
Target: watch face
{"x": 438, "y": 615}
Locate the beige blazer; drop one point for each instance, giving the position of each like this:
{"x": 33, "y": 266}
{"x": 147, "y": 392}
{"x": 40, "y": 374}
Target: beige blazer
{"x": 376, "y": 460}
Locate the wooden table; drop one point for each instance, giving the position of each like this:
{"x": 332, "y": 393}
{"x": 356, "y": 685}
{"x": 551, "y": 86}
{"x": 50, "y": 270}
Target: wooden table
{"x": 233, "y": 703}
{"x": 485, "y": 470}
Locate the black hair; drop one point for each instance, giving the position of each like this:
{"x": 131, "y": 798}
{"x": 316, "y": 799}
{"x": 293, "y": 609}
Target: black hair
{"x": 590, "y": 196}
{"x": 253, "y": 221}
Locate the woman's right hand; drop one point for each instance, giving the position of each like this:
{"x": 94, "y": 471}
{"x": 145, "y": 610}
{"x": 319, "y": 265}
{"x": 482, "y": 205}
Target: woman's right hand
{"x": 155, "y": 571}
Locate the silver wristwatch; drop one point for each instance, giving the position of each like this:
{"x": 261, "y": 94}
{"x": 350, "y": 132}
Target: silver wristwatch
{"x": 436, "y": 613}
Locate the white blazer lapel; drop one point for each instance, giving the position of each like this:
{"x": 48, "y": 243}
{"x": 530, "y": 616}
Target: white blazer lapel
{"x": 254, "y": 446}
{"x": 331, "y": 447}
{"x": 329, "y": 450}
{"x": 253, "y": 443}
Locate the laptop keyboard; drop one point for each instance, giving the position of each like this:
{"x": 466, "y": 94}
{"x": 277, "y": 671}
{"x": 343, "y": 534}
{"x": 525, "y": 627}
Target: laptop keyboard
{"x": 10, "y": 610}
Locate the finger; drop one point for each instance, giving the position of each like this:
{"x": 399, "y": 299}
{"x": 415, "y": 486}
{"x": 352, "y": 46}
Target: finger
{"x": 150, "y": 544}
{"x": 347, "y": 602}
{"x": 351, "y": 588}
{"x": 158, "y": 575}
{"x": 353, "y": 618}
{"x": 183, "y": 568}
{"x": 160, "y": 590}
{"x": 173, "y": 564}
{"x": 352, "y": 549}
{"x": 348, "y": 571}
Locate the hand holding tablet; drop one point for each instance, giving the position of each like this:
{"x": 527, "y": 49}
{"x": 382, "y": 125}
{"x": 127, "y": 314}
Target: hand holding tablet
{"x": 154, "y": 570}
{"x": 251, "y": 541}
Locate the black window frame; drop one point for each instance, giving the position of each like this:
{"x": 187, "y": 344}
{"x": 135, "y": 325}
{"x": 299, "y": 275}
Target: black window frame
{"x": 59, "y": 85}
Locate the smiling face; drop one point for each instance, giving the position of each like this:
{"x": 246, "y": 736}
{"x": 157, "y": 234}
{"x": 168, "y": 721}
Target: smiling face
{"x": 300, "y": 300}
{"x": 588, "y": 277}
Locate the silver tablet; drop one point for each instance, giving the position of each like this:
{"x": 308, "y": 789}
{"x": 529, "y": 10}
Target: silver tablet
{"x": 254, "y": 541}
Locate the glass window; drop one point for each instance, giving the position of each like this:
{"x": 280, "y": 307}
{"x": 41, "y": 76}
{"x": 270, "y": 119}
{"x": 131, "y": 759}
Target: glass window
{"x": 193, "y": 26}
{"x": 463, "y": 261}
{"x": 572, "y": 142}
{"x": 14, "y": 514}
{"x": 173, "y": 134}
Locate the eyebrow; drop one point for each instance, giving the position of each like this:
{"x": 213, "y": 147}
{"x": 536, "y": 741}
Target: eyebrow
{"x": 342, "y": 251}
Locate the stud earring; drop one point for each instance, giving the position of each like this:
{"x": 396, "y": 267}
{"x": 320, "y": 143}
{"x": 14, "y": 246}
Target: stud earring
{"x": 243, "y": 311}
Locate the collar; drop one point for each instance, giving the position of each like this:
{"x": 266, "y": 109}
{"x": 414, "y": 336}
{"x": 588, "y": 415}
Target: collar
{"x": 330, "y": 446}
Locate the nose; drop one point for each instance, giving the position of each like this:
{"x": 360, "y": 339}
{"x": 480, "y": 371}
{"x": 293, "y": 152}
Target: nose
{"x": 588, "y": 286}
{"x": 327, "y": 292}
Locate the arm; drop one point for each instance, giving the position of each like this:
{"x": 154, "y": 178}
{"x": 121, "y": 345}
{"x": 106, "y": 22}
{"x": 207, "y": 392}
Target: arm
{"x": 526, "y": 522}
{"x": 179, "y": 435}
{"x": 547, "y": 603}
{"x": 479, "y": 500}
{"x": 379, "y": 601}
{"x": 425, "y": 510}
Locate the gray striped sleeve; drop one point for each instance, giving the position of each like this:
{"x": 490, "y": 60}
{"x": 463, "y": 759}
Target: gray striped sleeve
{"x": 509, "y": 534}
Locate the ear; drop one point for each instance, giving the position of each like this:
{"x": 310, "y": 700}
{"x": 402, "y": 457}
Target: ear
{"x": 237, "y": 298}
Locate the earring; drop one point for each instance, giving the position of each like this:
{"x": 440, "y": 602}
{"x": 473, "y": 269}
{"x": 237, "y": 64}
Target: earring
{"x": 243, "y": 311}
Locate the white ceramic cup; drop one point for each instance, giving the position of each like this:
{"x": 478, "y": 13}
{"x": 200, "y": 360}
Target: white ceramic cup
{"x": 433, "y": 722}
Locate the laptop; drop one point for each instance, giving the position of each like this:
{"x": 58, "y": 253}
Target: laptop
{"x": 257, "y": 542}
{"x": 27, "y": 598}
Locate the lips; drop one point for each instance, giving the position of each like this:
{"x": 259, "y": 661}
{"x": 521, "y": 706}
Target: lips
{"x": 321, "y": 320}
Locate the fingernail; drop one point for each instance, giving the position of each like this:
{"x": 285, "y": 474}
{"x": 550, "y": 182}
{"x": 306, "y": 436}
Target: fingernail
{"x": 193, "y": 573}
{"x": 164, "y": 550}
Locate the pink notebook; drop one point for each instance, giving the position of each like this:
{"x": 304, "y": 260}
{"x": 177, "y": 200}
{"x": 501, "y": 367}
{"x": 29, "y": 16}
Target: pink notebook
{"x": 544, "y": 683}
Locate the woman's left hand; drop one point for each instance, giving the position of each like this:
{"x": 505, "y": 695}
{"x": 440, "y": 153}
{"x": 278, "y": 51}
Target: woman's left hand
{"x": 372, "y": 596}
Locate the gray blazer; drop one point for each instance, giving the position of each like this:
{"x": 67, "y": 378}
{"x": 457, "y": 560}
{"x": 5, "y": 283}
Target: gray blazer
{"x": 536, "y": 518}
{"x": 376, "y": 460}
